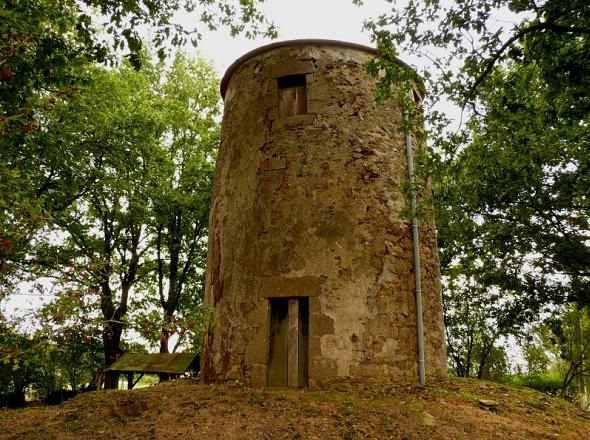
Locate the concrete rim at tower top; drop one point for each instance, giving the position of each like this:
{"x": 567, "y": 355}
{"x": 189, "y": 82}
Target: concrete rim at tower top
{"x": 295, "y": 43}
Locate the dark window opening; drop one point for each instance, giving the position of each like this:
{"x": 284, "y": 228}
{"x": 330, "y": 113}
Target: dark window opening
{"x": 288, "y": 347}
{"x": 416, "y": 96}
{"x": 286, "y": 82}
{"x": 292, "y": 95}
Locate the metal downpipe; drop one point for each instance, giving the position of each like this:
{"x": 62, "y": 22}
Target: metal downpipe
{"x": 417, "y": 272}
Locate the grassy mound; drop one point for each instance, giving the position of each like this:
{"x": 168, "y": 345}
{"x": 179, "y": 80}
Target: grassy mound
{"x": 452, "y": 409}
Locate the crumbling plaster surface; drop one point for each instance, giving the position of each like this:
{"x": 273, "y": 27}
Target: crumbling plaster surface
{"x": 309, "y": 205}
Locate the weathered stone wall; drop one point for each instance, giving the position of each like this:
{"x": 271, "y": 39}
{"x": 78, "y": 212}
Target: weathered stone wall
{"x": 309, "y": 205}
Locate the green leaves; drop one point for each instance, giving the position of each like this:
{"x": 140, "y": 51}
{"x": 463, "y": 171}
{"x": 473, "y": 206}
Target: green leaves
{"x": 142, "y": 143}
{"x": 511, "y": 186}
{"x": 123, "y": 19}
{"x": 45, "y": 51}
{"x": 511, "y": 183}
{"x": 522, "y": 178}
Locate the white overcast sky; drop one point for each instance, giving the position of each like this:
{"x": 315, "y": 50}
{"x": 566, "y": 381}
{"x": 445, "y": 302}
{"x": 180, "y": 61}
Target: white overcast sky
{"x": 295, "y": 19}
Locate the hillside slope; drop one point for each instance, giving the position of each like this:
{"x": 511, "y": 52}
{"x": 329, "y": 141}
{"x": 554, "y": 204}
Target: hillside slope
{"x": 188, "y": 410}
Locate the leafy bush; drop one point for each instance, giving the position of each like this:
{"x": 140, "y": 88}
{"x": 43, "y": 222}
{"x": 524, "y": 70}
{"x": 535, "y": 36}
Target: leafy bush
{"x": 549, "y": 382}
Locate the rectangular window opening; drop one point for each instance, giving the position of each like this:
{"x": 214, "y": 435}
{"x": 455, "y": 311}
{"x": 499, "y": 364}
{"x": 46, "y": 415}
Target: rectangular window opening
{"x": 416, "y": 96}
{"x": 292, "y": 95}
{"x": 286, "y": 82}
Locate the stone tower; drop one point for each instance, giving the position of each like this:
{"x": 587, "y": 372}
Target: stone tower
{"x": 310, "y": 272}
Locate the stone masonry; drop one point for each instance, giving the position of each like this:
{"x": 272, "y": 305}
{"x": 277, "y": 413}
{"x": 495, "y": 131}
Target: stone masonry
{"x": 308, "y": 205}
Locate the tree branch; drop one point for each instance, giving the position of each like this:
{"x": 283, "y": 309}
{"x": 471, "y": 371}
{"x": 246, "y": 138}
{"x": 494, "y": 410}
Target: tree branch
{"x": 534, "y": 28}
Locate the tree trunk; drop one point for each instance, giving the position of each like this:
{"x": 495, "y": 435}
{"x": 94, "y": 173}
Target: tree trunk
{"x": 111, "y": 338}
{"x": 482, "y": 362}
{"x": 164, "y": 347}
{"x": 17, "y": 399}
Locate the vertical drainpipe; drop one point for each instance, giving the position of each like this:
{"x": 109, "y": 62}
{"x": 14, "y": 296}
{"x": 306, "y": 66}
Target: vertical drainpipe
{"x": 416, "y": 243}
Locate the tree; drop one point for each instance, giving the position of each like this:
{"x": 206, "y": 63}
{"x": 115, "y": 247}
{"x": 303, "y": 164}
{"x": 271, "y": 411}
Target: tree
{"x": 43, "y": 44}
{"x": 516, "y": 195}
{"x": 71, "y": 327}
{"x": 113, "y": 122}
{"x": 183, "y": 195}
{"x": 557, "y": 354}
{"x": 464, "y": 41}
{"x": 511, "y": 184}
{"x": 22, "y": 358}
{"x": 537, "y": 347}
{"x": 40, "y": 56}
{"x": 180, "y": 199}
{"x": 475, "y": 321}
{"x": 149, "y": 140}
{"x": 573, "y": 333}
{"x": 123, "y": 19}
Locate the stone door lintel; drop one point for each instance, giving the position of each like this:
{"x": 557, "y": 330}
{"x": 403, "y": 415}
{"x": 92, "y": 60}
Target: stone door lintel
{"x": 286, "y": 287}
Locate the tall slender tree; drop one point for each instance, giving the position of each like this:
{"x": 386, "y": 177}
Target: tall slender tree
{"x": 113, "y": 120}
{"x": 182, "y": 199}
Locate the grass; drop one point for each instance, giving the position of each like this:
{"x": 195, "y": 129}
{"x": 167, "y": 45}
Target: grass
{"x": 367, "y": 410}
{"x": 256, "y": 398}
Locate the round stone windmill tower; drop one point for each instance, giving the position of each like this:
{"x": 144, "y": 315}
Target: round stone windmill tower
{"x": 311, "y": 269}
